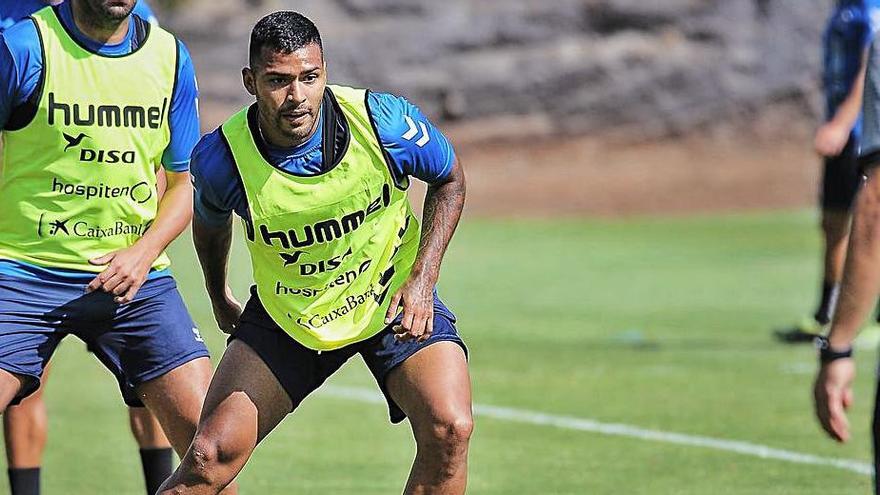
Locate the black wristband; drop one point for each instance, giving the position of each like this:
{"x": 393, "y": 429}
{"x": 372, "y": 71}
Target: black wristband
{"x": 827, "y": 354}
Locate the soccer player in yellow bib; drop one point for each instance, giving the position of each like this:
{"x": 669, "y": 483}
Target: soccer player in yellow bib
{"x": 318, "y": 173}
{"x": 94, "y": 101}
{"x": 25, "y": 426}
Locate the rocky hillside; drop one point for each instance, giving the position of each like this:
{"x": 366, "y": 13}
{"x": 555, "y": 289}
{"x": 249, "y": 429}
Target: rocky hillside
{"x": 642, "y": 68}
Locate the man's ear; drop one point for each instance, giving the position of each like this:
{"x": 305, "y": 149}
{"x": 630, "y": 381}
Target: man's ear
{"x": 249, "y": 80}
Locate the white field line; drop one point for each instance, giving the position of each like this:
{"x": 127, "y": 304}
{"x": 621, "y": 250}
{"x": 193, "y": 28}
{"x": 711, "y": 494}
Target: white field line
{"x": 589, "y": 425}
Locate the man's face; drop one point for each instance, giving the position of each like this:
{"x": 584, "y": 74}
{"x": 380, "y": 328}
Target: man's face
{"x": 108, "y": 11}
{"x": 289, "y": 88}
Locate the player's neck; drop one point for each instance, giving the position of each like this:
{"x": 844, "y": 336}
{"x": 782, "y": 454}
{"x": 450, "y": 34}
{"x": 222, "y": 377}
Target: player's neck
{"x": 99, "y": 30}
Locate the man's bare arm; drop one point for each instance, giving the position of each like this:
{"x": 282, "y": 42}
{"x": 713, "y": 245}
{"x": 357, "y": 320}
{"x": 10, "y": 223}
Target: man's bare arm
{"x": 861, "y": 279}
{"x": 832, "y": 136}
{"x": 861, "y": 283}
{"x": 212, "y": 247}
{"x": 442, "y": 211}
{"x": 444, "y": 203}
{"x": 127, "y": 268}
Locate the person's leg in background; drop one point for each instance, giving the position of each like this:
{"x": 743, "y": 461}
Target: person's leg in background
{"x": 25, "y": 432}
{"x": 157, "y": 456}
{"x": 840, "y": 184}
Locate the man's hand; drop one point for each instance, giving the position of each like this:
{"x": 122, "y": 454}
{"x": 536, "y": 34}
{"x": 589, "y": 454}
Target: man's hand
{"x": 830, "y": 139}
{"x": 126, "y": 272}
{"x": 417, "y": 298}
{"x": 227, "y": 311}
{"x": 833, "y": 393}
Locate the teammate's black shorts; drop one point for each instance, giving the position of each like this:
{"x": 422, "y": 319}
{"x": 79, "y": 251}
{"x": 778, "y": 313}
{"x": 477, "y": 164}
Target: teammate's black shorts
{"x": 841, "y": 178}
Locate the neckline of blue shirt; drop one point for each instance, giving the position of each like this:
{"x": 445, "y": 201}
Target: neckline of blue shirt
{"x": 65, "y": 11}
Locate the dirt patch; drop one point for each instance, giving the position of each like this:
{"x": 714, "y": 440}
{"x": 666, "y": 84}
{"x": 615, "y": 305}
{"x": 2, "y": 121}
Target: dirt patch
{"x": 579, "y": 176}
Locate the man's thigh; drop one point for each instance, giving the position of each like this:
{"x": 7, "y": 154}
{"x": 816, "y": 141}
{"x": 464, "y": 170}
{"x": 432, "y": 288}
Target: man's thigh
{"x": 33, "y": 319}
{"x": 409, "y": 373}
{"x": 298, "y": 369}
{"x": 245, "y": 400}
{"x": 433, "y": 385}
{"x": 145, "y": 339}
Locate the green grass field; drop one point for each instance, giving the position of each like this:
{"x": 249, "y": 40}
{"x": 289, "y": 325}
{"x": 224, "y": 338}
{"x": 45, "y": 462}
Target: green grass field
{"x": 660, "y": 323}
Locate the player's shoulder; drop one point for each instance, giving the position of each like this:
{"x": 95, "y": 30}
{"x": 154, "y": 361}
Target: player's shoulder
{"x": 22, "y": 39}
{"x": 210, "y": 148}
{"x": 142, "y": 9}
{"x": 213, "y": 169}
{"x": 184, "y": 59}
{"x": 23, "y": 30}
{"x": 872, "y": 13}
{"x": 389, "y": 104}
{"x": 394, "y": 115}
{"x": 211, "y": 158}
{"x": 12, "y": 12}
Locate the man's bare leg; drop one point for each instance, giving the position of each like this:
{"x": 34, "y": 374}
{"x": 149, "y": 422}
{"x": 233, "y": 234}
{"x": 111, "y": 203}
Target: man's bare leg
{"x": 835, "y": 231}
{"x": 176, "y": 398}
{"x": 157, "y": 456}
{"x": 146, "y": 429}
{"x": 10, "y": 385}
{"x": 244, "y": 403}
{"x": 433, "y": 388}
{"x": 24, "y": 430}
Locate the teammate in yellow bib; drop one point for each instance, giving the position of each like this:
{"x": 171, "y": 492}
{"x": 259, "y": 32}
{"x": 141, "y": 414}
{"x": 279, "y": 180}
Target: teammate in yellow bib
{"x": 83, "y": 234}
{"x": 25, "y": 425}
{"x": 319, "y": 175}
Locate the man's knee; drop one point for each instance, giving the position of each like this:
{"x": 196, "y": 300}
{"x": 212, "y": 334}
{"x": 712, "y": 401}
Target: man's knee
{"x": 212, "y": 461}
{"x": 449, "y": 434}
{"x": 10, "y": 386}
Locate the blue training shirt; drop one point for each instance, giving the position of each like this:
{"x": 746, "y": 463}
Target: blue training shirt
{"x": 21, "y": 63}
{"x": 219, "y": 192}
{"x": 848, "y": 33}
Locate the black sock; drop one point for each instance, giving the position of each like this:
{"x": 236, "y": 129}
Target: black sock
{"x": 826, "y": 305}
{"x": 24, "y": 481}
{"x": 157, "y": 467}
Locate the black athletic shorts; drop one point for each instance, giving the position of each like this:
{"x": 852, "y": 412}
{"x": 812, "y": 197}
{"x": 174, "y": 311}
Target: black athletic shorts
{"x": 301, "y": 370}
{"x": 841, "y": 178}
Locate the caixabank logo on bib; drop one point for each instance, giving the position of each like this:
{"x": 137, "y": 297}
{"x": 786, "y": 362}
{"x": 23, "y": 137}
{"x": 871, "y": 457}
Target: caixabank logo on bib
{"x": 351, "y": 303}
{"x": 55, "y": 226}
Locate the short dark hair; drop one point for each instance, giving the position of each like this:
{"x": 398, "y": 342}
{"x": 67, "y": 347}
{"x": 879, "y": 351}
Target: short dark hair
{"x": 282, "y": 32}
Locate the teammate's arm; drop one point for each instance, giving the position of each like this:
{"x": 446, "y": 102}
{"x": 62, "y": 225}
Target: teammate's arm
{"x": 444, "y": 202}
{"x": 861, "y": 276}
{"x": 832, "y": 136}
{"x": 212, "y": 244}
{"x": 127, "y": 268}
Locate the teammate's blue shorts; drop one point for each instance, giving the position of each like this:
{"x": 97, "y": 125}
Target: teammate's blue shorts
{"x": 137, "y": 342}
{"x": 301, "y": 370}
